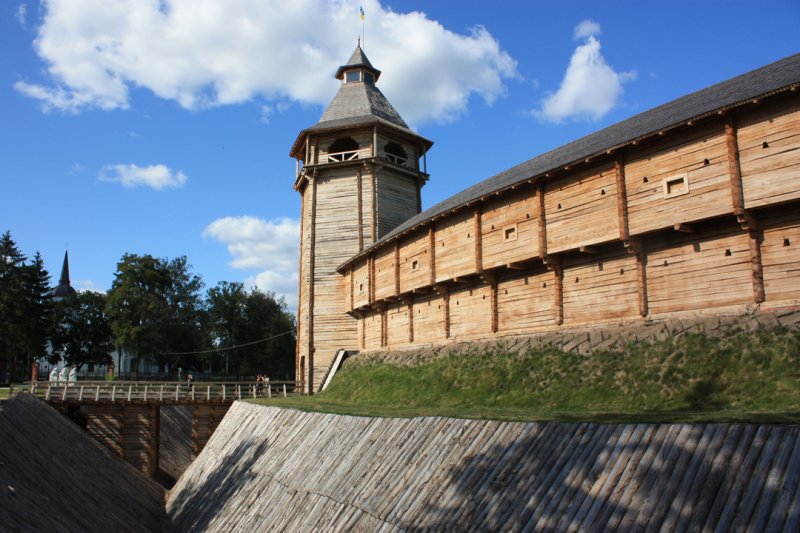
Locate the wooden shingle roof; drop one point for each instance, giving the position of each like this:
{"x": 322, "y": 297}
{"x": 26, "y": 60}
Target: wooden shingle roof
{"x": 765, "y": 81}
{"x": 357, "y": 104}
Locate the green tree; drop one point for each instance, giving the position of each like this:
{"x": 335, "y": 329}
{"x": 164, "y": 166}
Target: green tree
{"x": 25, "y": 308}
{"x": 257, "y": 325}
{"x": 155, "y": 309}
{"x": 82, "y": 332}
{"x": 12, "y": 305}
{"x": 38, "y": 305}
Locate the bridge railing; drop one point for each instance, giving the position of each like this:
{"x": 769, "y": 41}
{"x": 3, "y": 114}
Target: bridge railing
{"x": 162, "y": 392}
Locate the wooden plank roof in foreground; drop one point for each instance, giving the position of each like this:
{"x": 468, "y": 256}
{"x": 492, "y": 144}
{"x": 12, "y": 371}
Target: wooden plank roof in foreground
{"x": 772, "y": 79}
{"x": 287, "y": 470}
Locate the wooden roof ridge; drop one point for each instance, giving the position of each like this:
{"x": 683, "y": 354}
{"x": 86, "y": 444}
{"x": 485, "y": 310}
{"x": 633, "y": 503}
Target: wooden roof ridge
{"x": 768, "y": 80}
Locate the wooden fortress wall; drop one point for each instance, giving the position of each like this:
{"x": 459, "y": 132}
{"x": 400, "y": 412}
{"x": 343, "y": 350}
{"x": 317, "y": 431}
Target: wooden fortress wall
{"x": 703, "y": 218}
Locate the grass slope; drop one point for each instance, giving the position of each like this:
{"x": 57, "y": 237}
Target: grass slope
{"x": 743, "y": 377}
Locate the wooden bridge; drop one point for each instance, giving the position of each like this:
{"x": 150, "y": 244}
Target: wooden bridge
{"x": 126, "y": 417}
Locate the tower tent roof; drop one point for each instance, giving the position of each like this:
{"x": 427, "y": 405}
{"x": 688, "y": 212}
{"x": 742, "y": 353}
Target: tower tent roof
{"x": 357, "y": 104}
{"x": 358, "y": 59}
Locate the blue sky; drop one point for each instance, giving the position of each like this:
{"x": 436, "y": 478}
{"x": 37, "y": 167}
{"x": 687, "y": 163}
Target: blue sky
{"x": 164, "y": 127}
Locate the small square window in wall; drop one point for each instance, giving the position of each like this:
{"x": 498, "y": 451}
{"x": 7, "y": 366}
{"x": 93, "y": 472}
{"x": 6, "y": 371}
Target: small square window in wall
{"x": 414, "y": 265}
{"x": 510, "y": 233}
{"x": 676, "y": 185}
{"x": 352, "y": 75}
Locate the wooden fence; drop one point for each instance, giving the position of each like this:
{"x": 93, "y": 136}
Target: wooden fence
{"x": 163, "y": 392}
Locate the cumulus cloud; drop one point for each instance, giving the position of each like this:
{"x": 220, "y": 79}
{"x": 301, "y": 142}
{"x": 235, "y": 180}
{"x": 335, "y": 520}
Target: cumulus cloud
{"x": 158, "y": 177}
{"x": 587, "y": 28}
{"x": 206, "y": 53}
{"x": 270, "y": 246}
{"x": 590, "y": 88}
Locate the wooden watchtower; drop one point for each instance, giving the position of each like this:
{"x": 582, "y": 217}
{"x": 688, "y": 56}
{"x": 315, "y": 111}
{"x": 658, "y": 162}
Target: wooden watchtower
{"x": 360, "y": 171}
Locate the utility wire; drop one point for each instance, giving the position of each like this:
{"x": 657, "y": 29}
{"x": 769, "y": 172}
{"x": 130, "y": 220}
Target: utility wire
{"x": 230, "y": 347}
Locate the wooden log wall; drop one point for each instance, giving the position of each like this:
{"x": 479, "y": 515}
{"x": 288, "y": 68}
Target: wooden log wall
{"x": 441, "y": 474}
{"x": 699, "y": 219}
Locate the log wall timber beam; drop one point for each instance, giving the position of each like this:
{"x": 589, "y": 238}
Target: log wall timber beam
{"x": 542, "y": 220}
{"x": 478, "y": 239}
{"x": 408, "y": 300}
{"x": 298, "y": 375}
{"x": 554, "y": 263}
{"x": 636, "y": 247}
{"x": 444, "y": 292}
{"x": 311, "y": 265}
{"x": 371, "y": 278}
{"x": 352, "y": 290}
{"x": 744, "y": 218}
{"x": 622, "y": 198}
{"x": 592, "y": 250}
{"x": 492, "y": 280}
{"x": 397, "y": 268}
{"x": 432, "y": 250}
{"x": 682, "y": 228}
{"x": 360, "y": 200}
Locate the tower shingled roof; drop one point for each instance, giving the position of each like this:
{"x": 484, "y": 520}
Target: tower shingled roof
{"x": 358, "y": 104}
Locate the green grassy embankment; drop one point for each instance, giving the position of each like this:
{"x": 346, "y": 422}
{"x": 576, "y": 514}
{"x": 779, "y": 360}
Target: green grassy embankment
{"x": 751, "y": 377}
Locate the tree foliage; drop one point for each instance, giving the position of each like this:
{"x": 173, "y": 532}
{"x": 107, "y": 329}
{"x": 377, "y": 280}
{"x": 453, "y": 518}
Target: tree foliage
{"x": 82, "y": 330}
{"x": 252, "y": 330}
{"x": 155, "y": 308}
{"x": 25, "y": 308}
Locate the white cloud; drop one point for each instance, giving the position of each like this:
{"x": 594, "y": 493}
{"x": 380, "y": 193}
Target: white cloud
{"x": 158, "y": 177}
{"x": 586, "y": 28}
{"x": 205, "y": 53}
{"x": 269, "y": 246}
{"x": 87, "y": 285}
{"x": 590, "y": 88}
{"x": 22, "y": 14}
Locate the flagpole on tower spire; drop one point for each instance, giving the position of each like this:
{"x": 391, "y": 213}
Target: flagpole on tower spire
{"x": 363, "y": 35}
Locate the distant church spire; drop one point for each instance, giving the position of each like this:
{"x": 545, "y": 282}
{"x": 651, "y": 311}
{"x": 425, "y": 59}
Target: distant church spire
{"x": 64, "y": 288}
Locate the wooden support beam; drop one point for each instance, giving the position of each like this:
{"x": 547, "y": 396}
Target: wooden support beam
{"x": 422, "y": 290}
{"x": 432, "y": 250}
{"x": 311, "y": 266}
{"x": 637, "y": 247}
{"x": 493, "y": 298}
{"x": 594, "y": 250}
{"x": 558, "y": 291}
{"x": 515, "y": 265}
{"x": 360, "y": 214}
{"x": 371, "y": 277}
{"x": 410, "y": 303}
{"x": 384, "y": 328}
{"x": 756, "y": 265}
{"x": 446, "y": 297}
{"x": 478, "y": 239}
{"x": 397, "y": 268}
{"x": 298, "y": 376}
{"x": 683, "y": 228}
{"x": 622, "y": 198}
{"x": 734, "y": 169}
{"x": 542, "y": 221}
{"x": 352, "y": 290}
